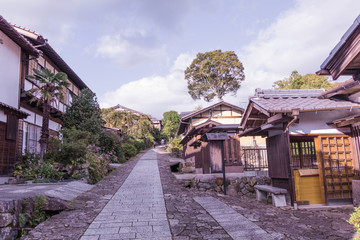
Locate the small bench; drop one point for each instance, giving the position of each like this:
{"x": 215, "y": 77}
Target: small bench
{"x": 277, "y": 194}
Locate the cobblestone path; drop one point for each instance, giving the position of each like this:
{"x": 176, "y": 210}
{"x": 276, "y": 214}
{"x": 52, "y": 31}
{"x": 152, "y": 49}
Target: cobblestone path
{"x": 236, "y": 225}
{"x": 137, "y": 210}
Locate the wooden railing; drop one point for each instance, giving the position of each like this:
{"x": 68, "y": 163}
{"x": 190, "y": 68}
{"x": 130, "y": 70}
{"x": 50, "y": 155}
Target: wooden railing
{"x": 254, "y": 159}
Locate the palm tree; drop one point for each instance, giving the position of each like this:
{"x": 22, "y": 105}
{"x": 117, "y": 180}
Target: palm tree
{"x": 49, "y": 89}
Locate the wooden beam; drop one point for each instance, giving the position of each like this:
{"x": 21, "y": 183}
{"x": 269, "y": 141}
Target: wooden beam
{"x": 275, "y": 118}
{"x": 260, "y": 109}
{"x": 257, "y": 117}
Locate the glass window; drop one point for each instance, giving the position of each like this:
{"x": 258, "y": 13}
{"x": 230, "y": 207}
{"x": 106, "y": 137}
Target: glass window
{"x": 32, "y": 139}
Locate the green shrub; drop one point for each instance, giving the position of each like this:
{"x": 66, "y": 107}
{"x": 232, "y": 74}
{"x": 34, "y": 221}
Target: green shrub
{"x": 139, "y": 144}
{"x": 129, "y": 150}
{"x": 355, "y": 219}
{"x": 98, "y": 167}
{"x": 47, "y": 170}
{"x": 110, "y": 143}
{"x": 38, "y": 215}
{"x": 175, "y": 145}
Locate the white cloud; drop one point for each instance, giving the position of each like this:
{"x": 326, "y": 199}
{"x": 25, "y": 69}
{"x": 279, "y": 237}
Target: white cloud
{"x": 131, "y": 47}
{"x": 300, "y": 39}
{"x": 155, "y": 94}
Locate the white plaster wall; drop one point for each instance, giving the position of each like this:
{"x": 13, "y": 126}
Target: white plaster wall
{"x": 3, "y": 117}
{"x": 10, "y": 60}
{"x": 315, "y": 122}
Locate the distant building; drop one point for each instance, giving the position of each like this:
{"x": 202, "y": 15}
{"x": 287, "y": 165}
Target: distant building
{"x": 23, "y": 50}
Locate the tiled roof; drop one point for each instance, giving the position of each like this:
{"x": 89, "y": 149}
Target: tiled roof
{"x": 17, "y": 38}
{"x": 302, "y": 99}
{"x": 38, "y": 40}
{"x": 13, "y": 110}
{"x": 191, "y": 114}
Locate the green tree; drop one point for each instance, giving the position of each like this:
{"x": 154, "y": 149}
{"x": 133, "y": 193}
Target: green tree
{"x": 213, "y": 74}
{"x": 49, "y": 90}
{"x": 308, "y": 81}
{"x": 84, "y": 114}
{"x": 171, "y": 122}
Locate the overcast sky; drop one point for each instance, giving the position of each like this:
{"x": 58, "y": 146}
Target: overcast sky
{"x": 134, "y": 52}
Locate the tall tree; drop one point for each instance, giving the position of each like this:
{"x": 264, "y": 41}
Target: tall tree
{"x": 171, "y": 122}
{"x": 49, "y": 89}
{"x": 84, "y": 114}
{"x": 308, "y": 81}
{"x": 214, "y": 73}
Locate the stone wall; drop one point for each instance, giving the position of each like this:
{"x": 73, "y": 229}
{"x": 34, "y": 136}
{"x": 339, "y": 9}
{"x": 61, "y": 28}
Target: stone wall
{"x": 10, "y": 210}
{"x": 235, "y": 186}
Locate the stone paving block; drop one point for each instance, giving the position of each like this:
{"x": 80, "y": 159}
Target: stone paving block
{"x": 101, "y": 231}
{"x": 118, "y": 236}
{"x": 93, "y": 237}
{"x": 236, "y": 225}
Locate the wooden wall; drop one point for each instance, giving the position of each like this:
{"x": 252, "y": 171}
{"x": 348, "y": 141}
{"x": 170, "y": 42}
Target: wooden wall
{"x": 278, "y": 156}
{"x": 7, "y": 152}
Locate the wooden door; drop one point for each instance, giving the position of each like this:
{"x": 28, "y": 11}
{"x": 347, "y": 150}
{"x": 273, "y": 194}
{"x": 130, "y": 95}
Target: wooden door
{"x": 336, "y": 168}
{"x": 232, "y": 151}
{"x": 215, "y": 156}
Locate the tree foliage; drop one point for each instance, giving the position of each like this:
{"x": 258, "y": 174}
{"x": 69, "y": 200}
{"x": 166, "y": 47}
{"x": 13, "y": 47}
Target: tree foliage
{"x": 214, "y": 73}
{"x": 171, "y": 122}
{"x": 48, "y": 90}
{"x": 84, "y": 114}
{"x": 308, "y": 81}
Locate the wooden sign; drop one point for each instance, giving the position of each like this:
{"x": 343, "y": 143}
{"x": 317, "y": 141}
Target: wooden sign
{"x": 217, "y": 136}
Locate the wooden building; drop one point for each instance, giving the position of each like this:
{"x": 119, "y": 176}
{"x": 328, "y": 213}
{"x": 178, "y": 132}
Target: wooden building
{"x": 220, "y": 117}
{"x": 307, "y": 155}
{"x": 30, "y": 128}
{"x": 13, "y": 46}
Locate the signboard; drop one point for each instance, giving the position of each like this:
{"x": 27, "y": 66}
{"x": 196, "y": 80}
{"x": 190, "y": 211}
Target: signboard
{"x": 217, "y": 136}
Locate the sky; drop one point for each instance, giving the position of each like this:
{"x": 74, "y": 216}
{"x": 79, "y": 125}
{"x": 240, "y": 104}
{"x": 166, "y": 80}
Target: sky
{"x": 134, "y": 52}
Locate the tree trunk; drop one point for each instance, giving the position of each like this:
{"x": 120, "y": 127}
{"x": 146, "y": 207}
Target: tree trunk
{"x": 44, "y": 130}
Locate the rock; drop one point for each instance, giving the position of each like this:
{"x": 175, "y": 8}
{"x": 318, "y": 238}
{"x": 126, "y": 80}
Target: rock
{"x": 260, "y": 181}
{"x": 244, "y": 180}
{"x": 8, "y": 233}
{"x": 252, "y": 182}
{"x": 188, "y": 169}
{"x": 217, "y": 189}
{"x": 231, "y": 190}
{"x": 12, "y": 180}
{"x": 244, "y": 191}
{"x": 54, "y": 204}
{"x": 241, "y": 185}
{"x": 6, "y": 219}
{"x": 187, "y": 184}
{"x": 6, "y": 206}
{"x": 219, "y": 181}
{"x": 249, "y": 188}
{"x": 205, "y": 185}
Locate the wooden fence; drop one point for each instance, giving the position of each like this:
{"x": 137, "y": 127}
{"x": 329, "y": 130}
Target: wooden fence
{"x": 254, "y": 159}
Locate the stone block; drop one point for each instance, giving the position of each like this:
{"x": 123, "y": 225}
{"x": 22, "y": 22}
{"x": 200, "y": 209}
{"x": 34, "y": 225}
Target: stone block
{"x": 252, "y": 181}
{"x": 232, "y": 190}
{"x": 6, "y": 206}
{"x": 8, "y": 233}
{"x": 244, "y": 180}
{"x": 6, "y": 219}
{"x": 278, "y": 200}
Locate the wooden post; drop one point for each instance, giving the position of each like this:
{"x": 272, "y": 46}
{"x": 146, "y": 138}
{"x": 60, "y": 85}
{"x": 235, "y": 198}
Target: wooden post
{"x": 223, "y": 165}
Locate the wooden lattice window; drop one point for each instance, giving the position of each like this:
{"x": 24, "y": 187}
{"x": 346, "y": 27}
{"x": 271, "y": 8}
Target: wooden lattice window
{"x": 303, "y": 153}
{"x": 337, "y": 167}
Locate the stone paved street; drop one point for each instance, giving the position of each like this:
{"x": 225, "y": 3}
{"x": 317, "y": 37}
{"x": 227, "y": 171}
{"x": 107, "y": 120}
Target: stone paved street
{"x": 137, "y": 210}
{"x": 130, "y": 203}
